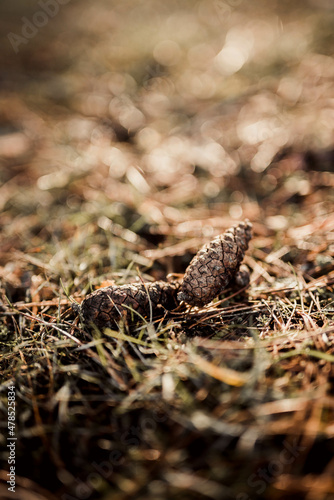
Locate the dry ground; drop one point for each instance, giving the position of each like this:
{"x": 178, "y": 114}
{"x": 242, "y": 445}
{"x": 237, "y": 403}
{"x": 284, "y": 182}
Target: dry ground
{"x": 130, "y": 134}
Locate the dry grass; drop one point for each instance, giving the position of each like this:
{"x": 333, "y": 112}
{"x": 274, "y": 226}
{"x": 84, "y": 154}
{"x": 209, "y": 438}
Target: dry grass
{"x": 102, "y": 185}
{"x": 194, "y": 405}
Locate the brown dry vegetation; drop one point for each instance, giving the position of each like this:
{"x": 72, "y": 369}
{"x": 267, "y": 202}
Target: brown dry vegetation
{"x": 130, "y": 134}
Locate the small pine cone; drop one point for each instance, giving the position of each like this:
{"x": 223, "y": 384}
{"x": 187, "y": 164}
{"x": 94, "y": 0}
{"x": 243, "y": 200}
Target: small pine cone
{"x": 107, "y": 306}
{"x": 242, "y": 278}
{"x": 215, "y": 265}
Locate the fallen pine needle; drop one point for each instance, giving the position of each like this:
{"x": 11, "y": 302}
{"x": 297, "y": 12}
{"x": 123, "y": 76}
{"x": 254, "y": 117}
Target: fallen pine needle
{"x": 226, "y": 375}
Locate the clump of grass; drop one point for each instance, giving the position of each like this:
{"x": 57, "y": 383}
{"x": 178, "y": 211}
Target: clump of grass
{"x": 232, "y": 379}
{"x": 126, "y": 173}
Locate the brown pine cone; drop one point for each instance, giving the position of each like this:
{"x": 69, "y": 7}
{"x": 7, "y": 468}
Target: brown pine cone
{"x": 215, "y": 265}
{"x": 107, "y": 306}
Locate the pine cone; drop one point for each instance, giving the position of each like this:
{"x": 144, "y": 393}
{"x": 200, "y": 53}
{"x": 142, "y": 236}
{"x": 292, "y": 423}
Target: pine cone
{"x": 242, "y": 278}
{"x": 107, "y": 306}
{"x": 209, "y": 272}
{"x": 215, "y": 265}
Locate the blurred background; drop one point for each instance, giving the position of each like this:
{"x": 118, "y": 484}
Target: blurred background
{"x": 153, "y": 113}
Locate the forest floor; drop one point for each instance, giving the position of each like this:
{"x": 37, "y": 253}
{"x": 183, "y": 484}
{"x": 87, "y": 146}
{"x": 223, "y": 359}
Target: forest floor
{"x": 131, "y": 134}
